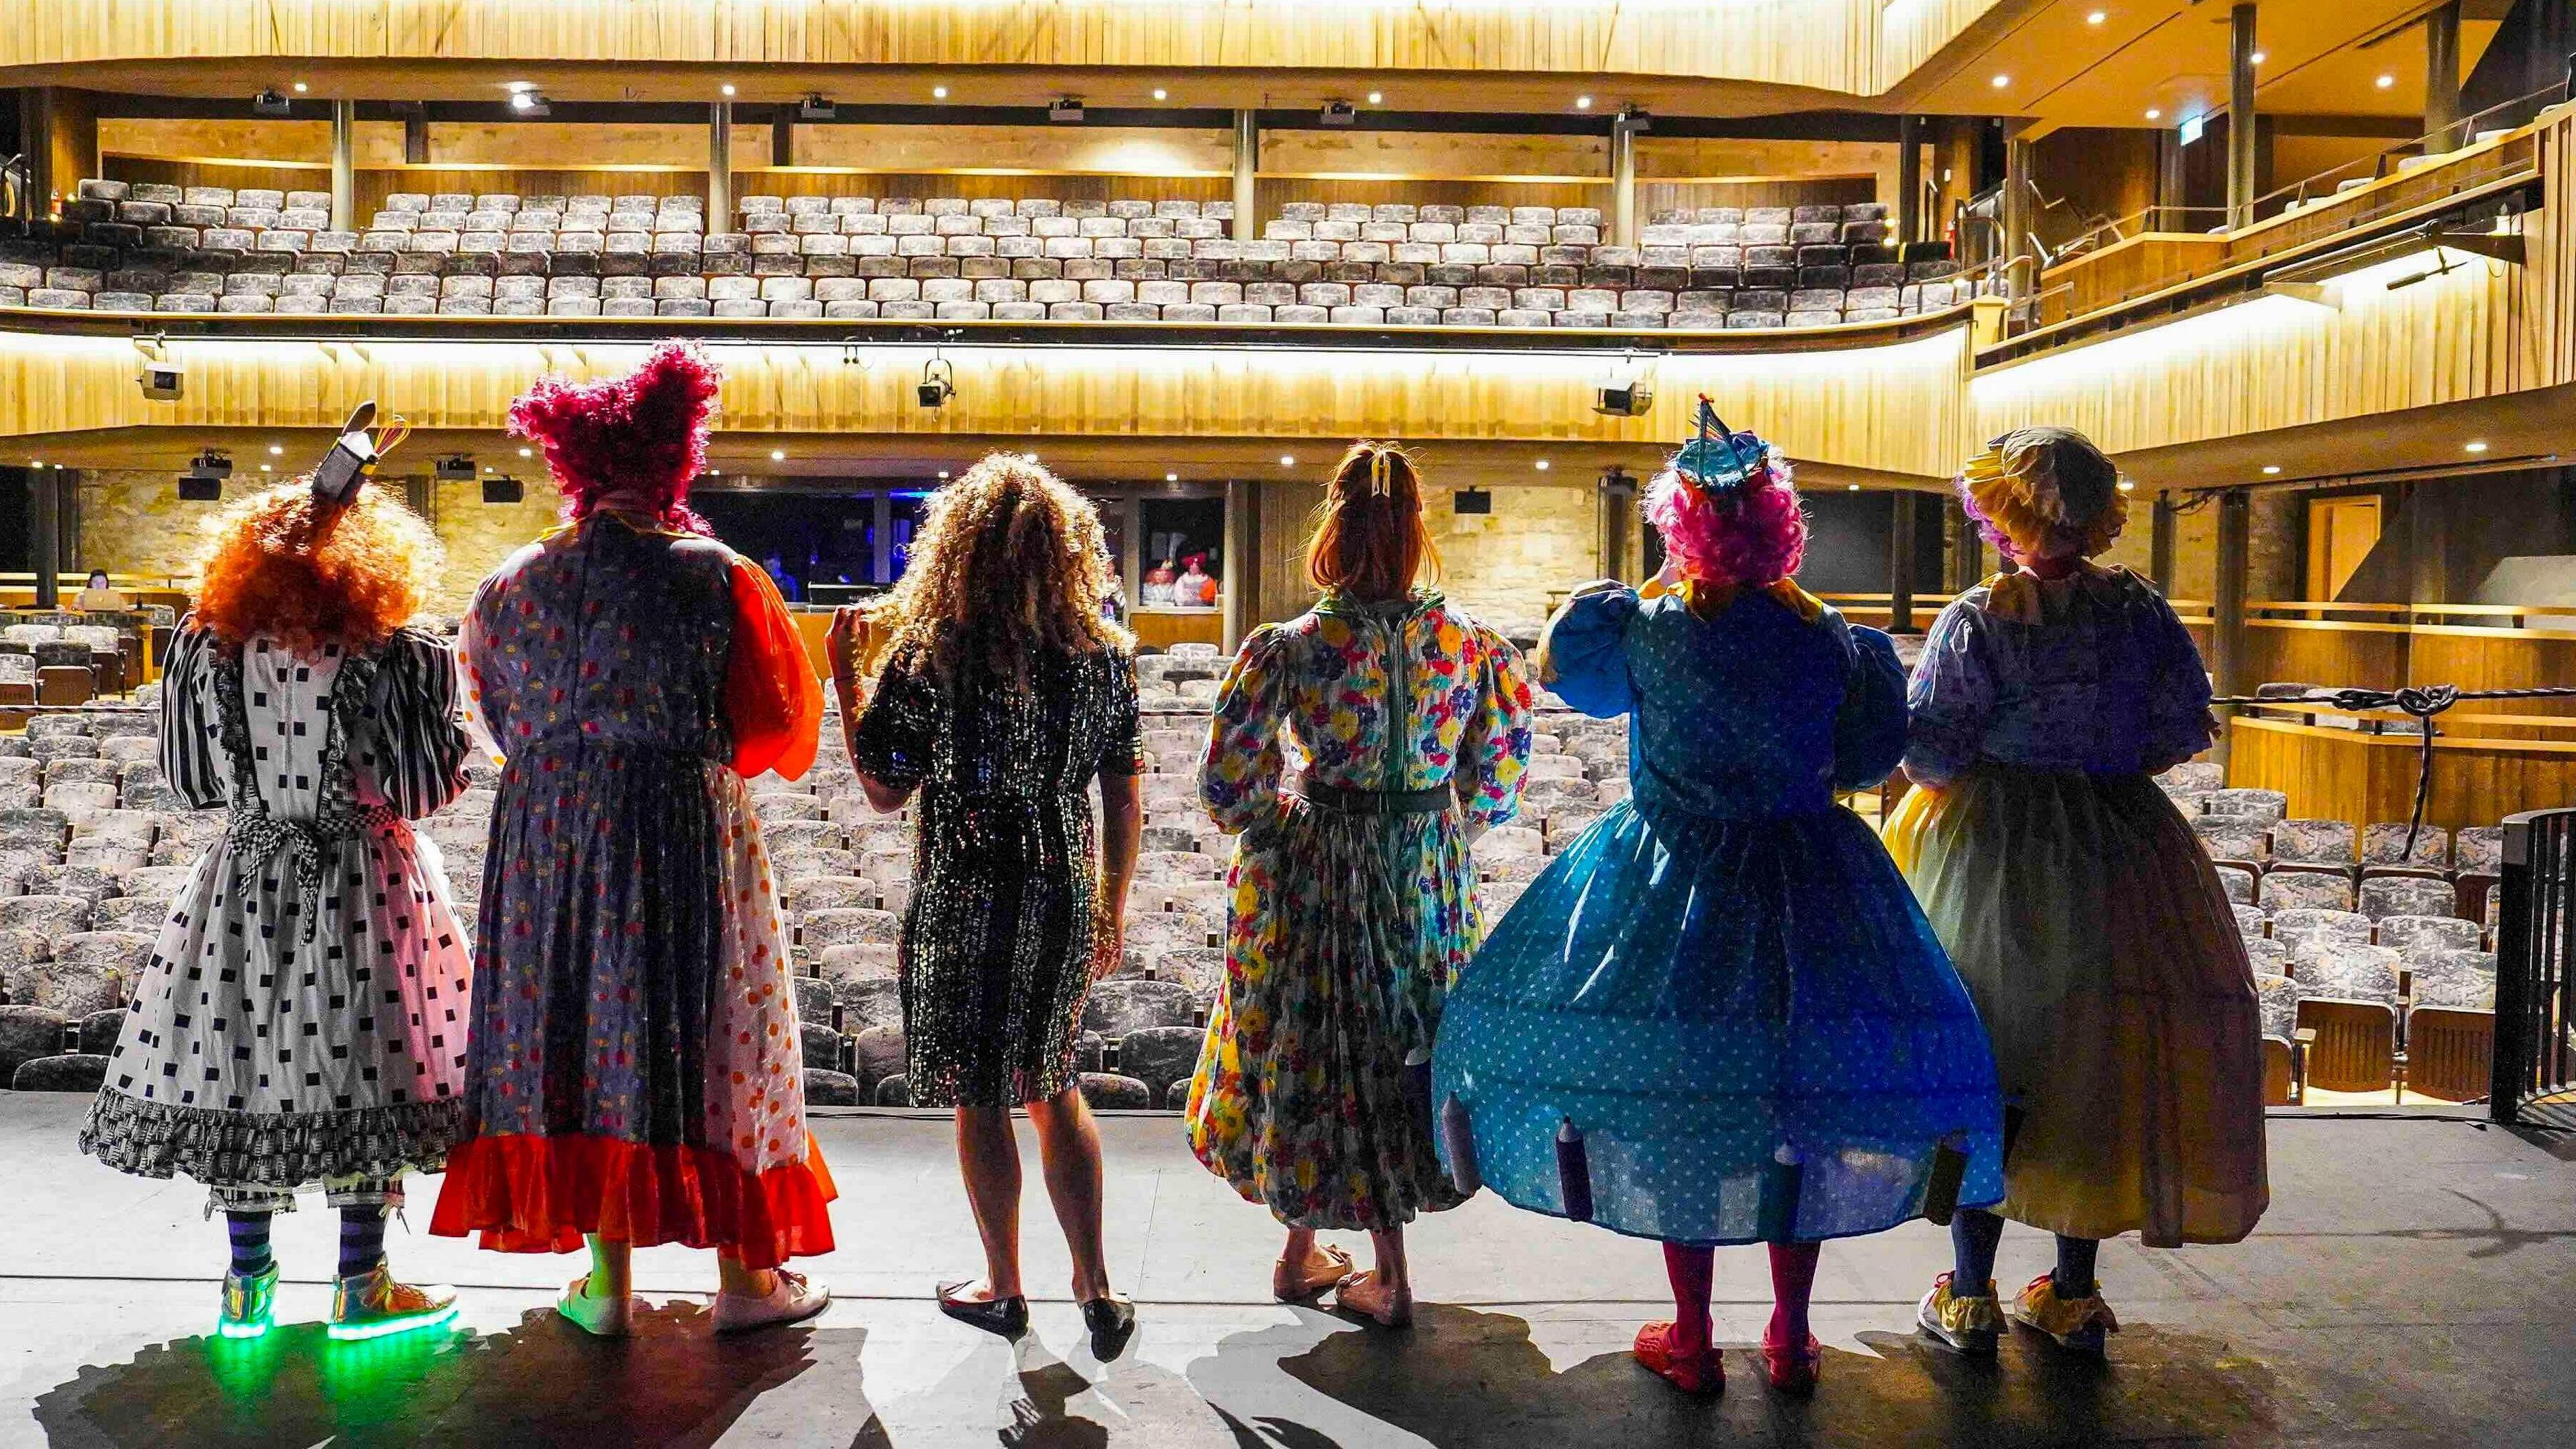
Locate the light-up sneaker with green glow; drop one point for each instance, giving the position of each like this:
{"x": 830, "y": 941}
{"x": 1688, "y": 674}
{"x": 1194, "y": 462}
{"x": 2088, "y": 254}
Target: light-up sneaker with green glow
{"x": 373, "y": 1305}
{"x": 248, "y": 1303}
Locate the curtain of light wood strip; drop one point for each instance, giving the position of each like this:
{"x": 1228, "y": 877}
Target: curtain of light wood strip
{"x": 1896, "y": 408}
{"x": 1852, "y": 46}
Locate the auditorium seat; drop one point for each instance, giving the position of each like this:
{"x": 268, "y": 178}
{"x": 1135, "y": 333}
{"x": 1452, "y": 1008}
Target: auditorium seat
{"x": 2383, "y": 843}
{"x": 2310, "y": 890}
{"x": 2407, "y": 895}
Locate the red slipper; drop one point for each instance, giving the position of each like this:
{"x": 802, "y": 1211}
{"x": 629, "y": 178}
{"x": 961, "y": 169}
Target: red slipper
{"x": 1704, "y": 1373}
{"x": 1792, "y": 1371}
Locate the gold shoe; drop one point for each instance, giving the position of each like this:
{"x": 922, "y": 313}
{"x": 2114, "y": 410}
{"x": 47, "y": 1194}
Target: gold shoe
{"x": 373, "y": 1305}
{"x": 1967, "y": 1322}
{"x": 248, "y": 1303}
{"x": 2081, "y": 1324}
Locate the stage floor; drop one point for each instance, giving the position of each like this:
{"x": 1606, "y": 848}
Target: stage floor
{"x": 2415, "y": 1283}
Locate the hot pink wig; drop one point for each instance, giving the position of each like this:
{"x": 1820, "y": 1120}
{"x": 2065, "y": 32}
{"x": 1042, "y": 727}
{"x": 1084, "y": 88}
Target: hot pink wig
{"x": 1757, "y": 538}
{"x": 634, "y": 442}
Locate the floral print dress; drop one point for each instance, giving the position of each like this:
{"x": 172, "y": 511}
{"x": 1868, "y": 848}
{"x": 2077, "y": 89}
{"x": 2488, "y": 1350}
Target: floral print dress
{"x": 1347, "y": 927}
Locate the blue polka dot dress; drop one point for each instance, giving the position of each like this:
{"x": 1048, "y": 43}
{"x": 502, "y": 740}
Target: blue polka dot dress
{"x": 1723, "y": 991}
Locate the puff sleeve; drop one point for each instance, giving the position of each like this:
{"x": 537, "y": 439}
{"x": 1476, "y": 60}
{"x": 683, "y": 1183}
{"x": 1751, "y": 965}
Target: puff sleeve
{"x": 1494, "y": 754}
{"x": 773, "y": 703}
{"x": 1951, "y": 697}
{"x": 1583, "y": 655}
{"x": 192, "y": 758}
{"x": 1239, "y": 772}
{"x": 1870, "y": 726}
{"x": 417, "y": 749}
{"x": 2178, "y": 723}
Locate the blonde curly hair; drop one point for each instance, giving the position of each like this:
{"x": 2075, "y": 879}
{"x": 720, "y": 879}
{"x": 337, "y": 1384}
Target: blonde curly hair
{"x": 1009, "y": 564}
{"x": 2039, "y": 493}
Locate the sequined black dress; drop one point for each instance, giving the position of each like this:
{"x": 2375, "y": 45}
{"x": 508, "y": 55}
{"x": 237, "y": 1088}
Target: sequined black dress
{"x": 996, "y": 947}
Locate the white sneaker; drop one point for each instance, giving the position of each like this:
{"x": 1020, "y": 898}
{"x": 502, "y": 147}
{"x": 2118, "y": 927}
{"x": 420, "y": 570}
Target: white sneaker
{"x": 599, "y": 1317}
{"x": 791, "y": 1299}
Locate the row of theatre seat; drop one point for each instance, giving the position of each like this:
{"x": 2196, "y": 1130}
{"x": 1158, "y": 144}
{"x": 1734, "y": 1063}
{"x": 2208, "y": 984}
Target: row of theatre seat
{"x": 140, "y": 248}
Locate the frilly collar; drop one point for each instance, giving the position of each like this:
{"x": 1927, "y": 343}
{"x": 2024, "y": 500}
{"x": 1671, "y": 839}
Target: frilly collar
{"x": 1707, "y": 601}
{"x": 2025, "y": 598}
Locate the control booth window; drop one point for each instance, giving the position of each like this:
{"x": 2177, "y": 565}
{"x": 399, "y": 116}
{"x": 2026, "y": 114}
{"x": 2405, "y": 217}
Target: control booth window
{"x": 1181, "y": 539}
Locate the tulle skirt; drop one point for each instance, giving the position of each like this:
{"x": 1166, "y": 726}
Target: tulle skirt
{"x": 2100, "y": 948}
{"x": 1707, "y": 1003}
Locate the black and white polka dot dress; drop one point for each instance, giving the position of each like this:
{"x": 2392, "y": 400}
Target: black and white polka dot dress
{"x": 302, "y": 1020}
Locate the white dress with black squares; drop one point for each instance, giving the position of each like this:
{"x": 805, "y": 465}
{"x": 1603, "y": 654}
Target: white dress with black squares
{"x": 302, "y": 1020}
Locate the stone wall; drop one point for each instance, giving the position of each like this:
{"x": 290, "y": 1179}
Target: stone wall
{"x": 1512, "y": 566}
{"x": 132, "y": 523}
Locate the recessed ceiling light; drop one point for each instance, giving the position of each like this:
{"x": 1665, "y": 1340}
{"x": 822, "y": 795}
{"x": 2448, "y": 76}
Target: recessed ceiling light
{"x": 2478, "y": 446}
{"x": 1171, "y": 477}
{"x": 1853, "y": 487}
{"x": 939, "y": 93}
{"x": 1376, "y": 97}
{"x": 1540, "y": 465}
{"x": 728, "y": 88}
{"x": 943, "y": 472}
{"x": 2271, "y": 468}
{"x": 2001, "y": 81}
{"x": 2258, "y": 57}
{"x": 2128, "y": 485}
{"x": 2154, "y": 115}
{"x": 1161, "y": 94}
{"x": 262, "y": 467}
{"x": 1583, "y": 103}
{"x": 1289, "y": 460}
{"x": 2384, "y": 82}
{"x": 778, "y": 455}
{"x": 527, "y": 452}
{"x": 276, "y": 449}
{"x": 2097, "y": 17}
{"x": 301, "y": 88}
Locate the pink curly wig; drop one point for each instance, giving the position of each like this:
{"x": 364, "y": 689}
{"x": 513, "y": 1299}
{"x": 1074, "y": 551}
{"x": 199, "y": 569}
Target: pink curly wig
{"x": 1760, "y": 539}
{"x": 634, "y": 442}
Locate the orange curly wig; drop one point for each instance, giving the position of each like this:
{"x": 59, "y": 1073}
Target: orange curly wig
{"x": 362, "y": 578}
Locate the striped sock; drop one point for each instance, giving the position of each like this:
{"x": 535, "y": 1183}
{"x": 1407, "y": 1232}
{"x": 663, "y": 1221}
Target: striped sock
{"x": 249, "y": 1234}
{"x": 362, "y": 1239}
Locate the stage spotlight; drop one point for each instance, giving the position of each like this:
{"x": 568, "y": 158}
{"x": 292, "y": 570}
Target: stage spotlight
{"x": 816, "y": 107}
{"x": 528, "y": 101}
{"x": 271, "y": 102}
{"x": 938, "y": 383}
{"x": 162, "y": 379}
{"x": 504, "y": 489}
{"x": 1623, "y": 397}
{"x": 1637, "y": 119}
{"x": 1067, "y": 111}
{"x": 1339, "y": 113}
{"x": 456, "y": 468}
{"x": 204, "y": 480}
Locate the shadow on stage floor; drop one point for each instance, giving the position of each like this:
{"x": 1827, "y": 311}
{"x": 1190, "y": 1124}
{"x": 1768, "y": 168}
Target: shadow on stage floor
{"x": 1459, "y": 1379}
{"x": 542, "y": 1383}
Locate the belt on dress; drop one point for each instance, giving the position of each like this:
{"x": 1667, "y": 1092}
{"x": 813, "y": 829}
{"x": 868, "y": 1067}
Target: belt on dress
{"x": 1345, "y": 801}
{"x": 261, "y": 835}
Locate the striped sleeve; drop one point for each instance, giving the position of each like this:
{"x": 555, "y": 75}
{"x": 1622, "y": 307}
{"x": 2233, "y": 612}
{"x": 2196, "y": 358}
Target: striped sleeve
{"x": 192, "y": 758}
{"x": 418, "y": 750}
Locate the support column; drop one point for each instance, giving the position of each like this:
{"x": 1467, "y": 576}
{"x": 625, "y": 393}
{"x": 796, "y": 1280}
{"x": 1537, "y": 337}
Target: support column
{"x": 1242, "y": 560}
{"x": 415, "y": 119}
{"x": 1623, "y": 183}
{"x": 45, "y": 521}
{"x": 782, "y": 136}
{"x": 1909, "y": 179}
{"x": 344, "y": 165}
{"x": 2228, "y": 665}
{"x": 2241, "y": 132}
{"x": 720, "y": 167}
{"x": 1616, "y": 505}
{"x": 2172, "y": 188}
{"x": 1247, "y": 167}
{"x": 881, "y": 539}
{"x": 2160, "y": 546}
{"x": 2442, "y": 78}
{"x": 2020, "y": 261}
{"x": 35, "y": 141}
{"x": 1900, "y": 564}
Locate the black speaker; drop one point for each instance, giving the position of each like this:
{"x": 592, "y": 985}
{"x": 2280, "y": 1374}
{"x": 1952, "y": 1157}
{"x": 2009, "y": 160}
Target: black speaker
{"x": 1472, "y": 500}
{"x": 503, "y": 490}
{"x": 200, "y": 490}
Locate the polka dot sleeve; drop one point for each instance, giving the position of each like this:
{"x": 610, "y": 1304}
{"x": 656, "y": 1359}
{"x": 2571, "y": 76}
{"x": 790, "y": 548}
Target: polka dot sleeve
{"x": 1583, "y": 656}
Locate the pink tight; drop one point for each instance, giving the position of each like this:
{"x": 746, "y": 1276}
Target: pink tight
{"x": 1793, "y": 1280}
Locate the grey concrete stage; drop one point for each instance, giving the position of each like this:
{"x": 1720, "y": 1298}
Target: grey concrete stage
{"x": 2415, "y": 1283}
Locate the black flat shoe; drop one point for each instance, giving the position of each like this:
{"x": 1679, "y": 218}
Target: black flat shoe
{"x": 1002, "y": 1317}
{"x": 1112, "y": 1321}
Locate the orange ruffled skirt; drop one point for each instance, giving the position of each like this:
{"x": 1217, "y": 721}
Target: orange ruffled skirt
{"x": 2103, "y": 957}
{"x": 528, "y": 1194}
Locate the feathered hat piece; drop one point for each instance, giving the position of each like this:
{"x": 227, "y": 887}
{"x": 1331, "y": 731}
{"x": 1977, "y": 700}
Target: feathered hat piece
{"x": 636, "y": 441}
{"x": 2044, "y": 493}
{"x": 1718, "y": 463}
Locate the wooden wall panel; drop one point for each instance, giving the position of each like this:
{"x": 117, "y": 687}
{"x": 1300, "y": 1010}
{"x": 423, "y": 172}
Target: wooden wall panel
{"x": 2333, "y": 656}
{"x": 1892, "y": 408}
{"x": 1851, "y": 46}
{"x": 2340, "y": 775}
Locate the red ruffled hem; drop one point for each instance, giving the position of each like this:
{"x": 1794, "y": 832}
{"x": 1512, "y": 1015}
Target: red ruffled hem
{"x": 529, "y": 1194}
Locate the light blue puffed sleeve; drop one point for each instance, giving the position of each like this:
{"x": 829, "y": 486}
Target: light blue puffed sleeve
{"x": 1583, "y": 656}
{"x": 2178, "y": 723}
{"x": 1870, "y": 727}
{"x": 1951, "y": 697}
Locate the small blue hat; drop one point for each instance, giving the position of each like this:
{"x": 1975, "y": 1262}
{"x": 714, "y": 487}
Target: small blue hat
{"x": 1716, "y": 462}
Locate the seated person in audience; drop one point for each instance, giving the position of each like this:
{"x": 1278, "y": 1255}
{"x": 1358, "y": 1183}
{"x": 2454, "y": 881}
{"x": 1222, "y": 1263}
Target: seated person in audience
{"x": 1159, "y": 582}
{"x": 293, "y": 1029}
{"x": 635, "y": 1075}
{"x": 1195, "y": 588}
{"x": 1354, "y": 895}
{"x": 1717, "y": 1016}
{"x": 2085, "y": 918}
{"x": 1003, "y": 693}
{"x": 98, "y": 596}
